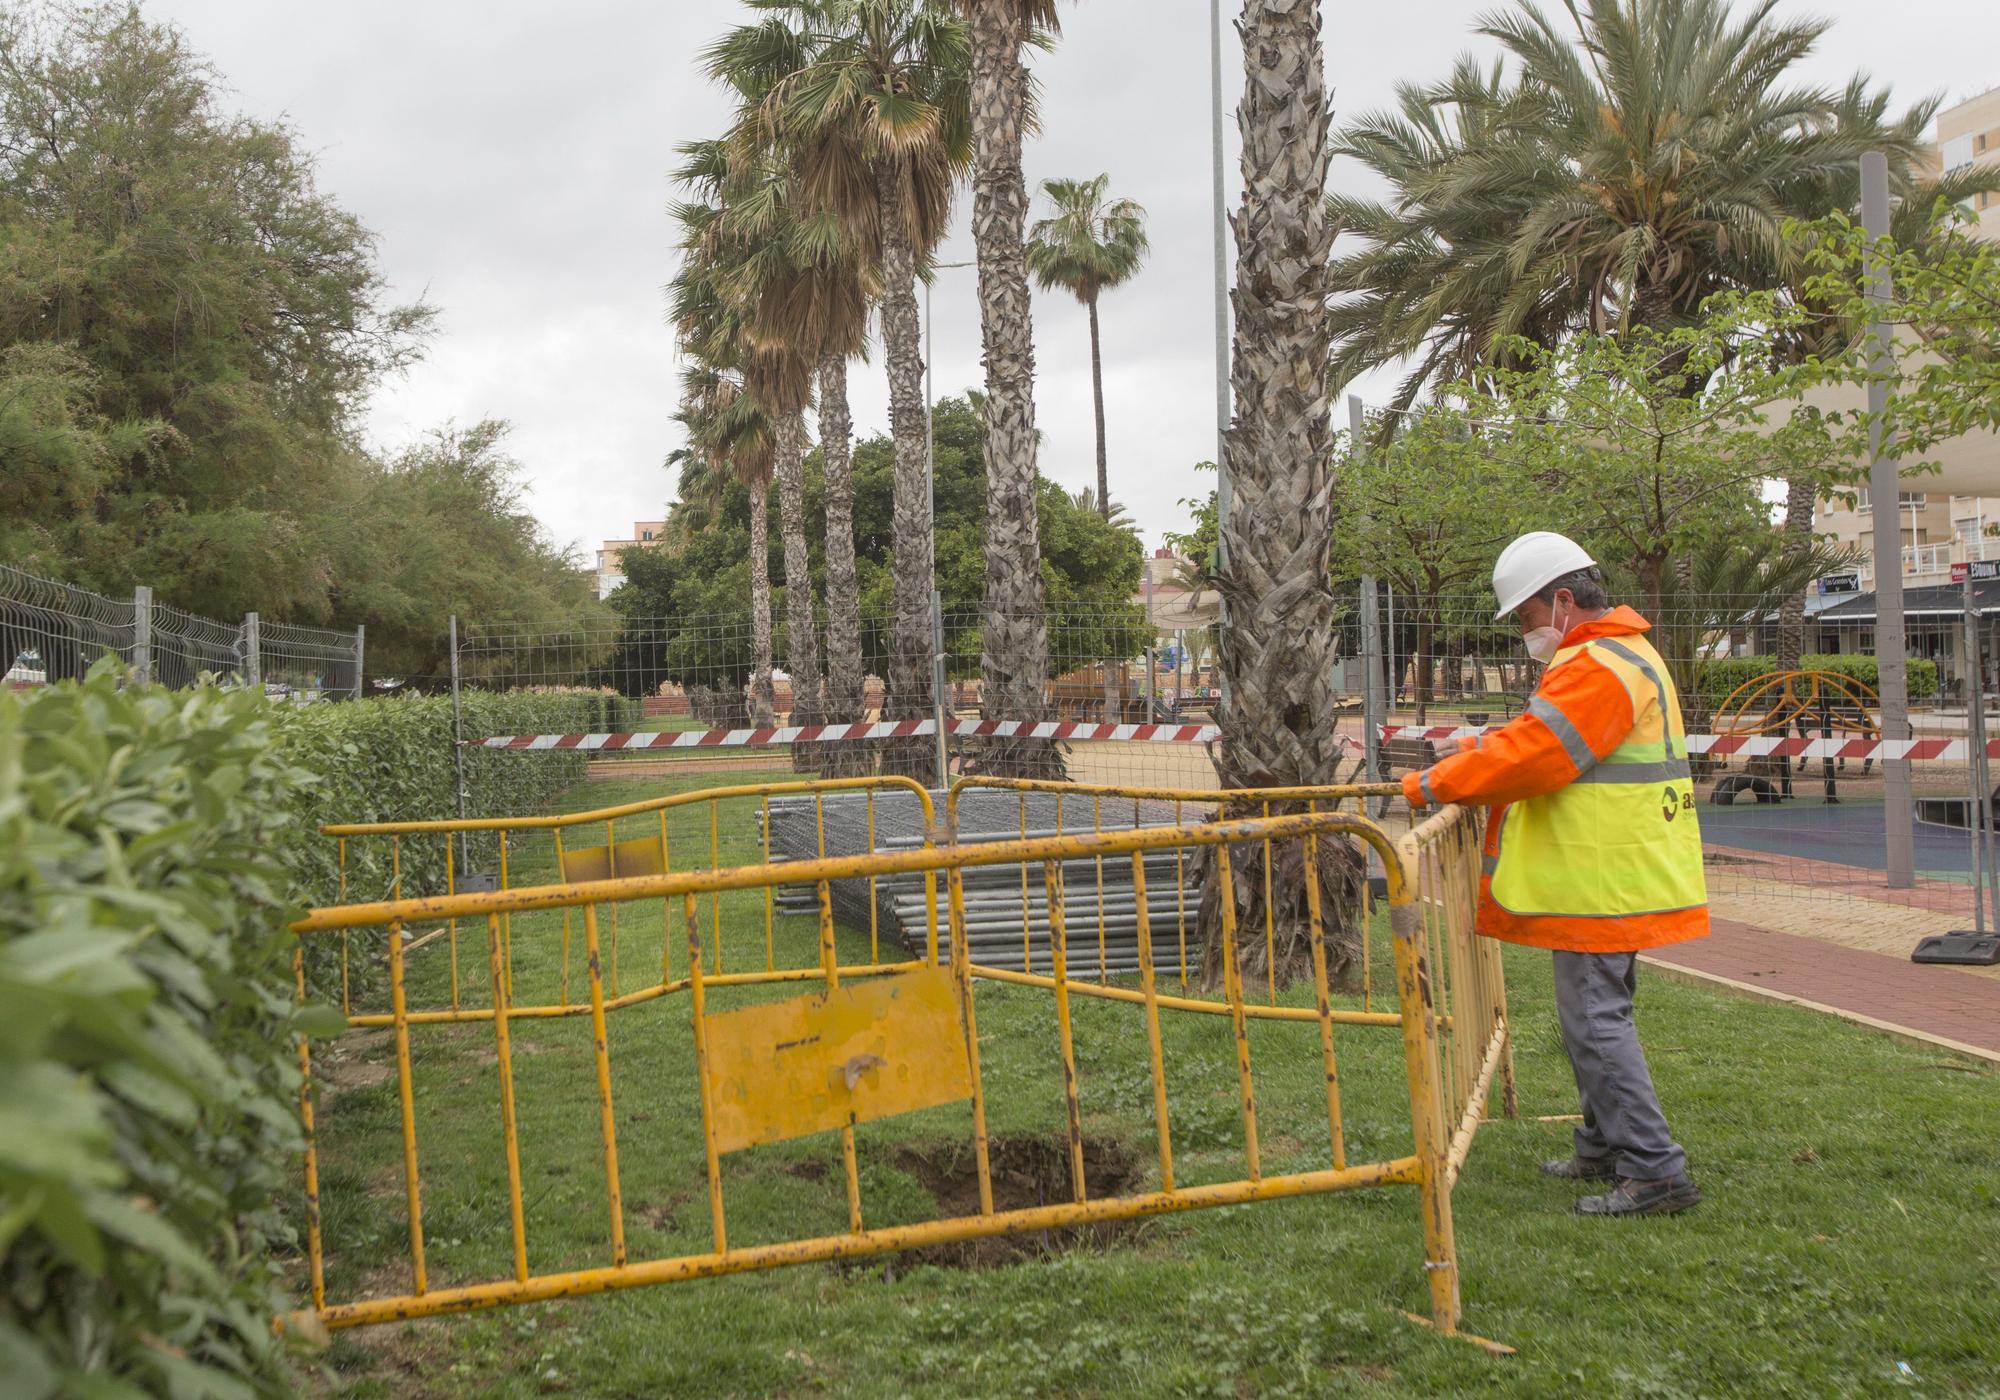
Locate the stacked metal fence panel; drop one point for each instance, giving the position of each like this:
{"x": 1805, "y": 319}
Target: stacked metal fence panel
{"x": 1006, "y": 906}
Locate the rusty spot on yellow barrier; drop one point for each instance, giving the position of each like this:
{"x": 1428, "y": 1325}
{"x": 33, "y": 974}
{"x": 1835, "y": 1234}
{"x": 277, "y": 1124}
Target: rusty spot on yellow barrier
{"x": 849, "y": 1055}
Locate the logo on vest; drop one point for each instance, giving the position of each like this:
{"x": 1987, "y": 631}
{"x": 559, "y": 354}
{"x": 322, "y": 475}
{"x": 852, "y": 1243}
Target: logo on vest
{"x": 1672, "y": 803}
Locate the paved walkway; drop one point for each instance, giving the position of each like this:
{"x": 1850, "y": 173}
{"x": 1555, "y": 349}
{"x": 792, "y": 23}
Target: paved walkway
{"x": 1955, "y": 1007}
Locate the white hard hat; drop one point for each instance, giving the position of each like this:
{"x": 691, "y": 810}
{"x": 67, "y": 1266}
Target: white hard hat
{"x": 1532, "y": 563}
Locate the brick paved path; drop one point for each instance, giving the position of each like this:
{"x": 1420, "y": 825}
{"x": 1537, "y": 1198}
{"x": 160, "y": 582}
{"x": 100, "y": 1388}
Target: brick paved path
{"x": 1942, "y": 1002}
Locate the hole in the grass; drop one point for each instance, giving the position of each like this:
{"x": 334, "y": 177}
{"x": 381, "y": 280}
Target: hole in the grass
{"x": 1027, "y": 1172}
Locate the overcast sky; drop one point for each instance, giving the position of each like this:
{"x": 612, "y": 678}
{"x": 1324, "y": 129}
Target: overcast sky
{"x": 512, "y": 159}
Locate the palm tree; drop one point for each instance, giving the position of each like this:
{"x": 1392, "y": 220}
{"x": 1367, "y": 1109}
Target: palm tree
{"x": 1277, "y": 651}
{"x": 1114, "y": 514}
{"x": 729, "y": 434}
{"x": 1088, "y": 246}
{"x": 1621, "y": 175}
{"x": 1014, "y": 656}
{"x": 737, "y": 238}
{"x": 868, "y": 98}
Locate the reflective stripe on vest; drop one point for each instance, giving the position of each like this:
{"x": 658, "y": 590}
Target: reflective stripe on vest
{"x": 1623, "y": 837}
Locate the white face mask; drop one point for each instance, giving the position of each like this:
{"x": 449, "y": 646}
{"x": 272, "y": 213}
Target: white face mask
{"x": 1544, "y": 642}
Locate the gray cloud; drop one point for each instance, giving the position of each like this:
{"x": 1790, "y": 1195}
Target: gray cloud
{"x": 513, "y": 157}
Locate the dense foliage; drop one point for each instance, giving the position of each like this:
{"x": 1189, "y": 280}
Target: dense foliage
{"x": 146, "y": 1064}
{"x": 684, "y": 602}
{"x": 1717, "y": 678}
{"x": 153, "y": 847}
{"x": 188, "y": 330}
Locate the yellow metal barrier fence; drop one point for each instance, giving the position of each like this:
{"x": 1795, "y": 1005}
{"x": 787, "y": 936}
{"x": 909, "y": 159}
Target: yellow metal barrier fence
{"x": 651, "y": 854}
{"x": 907, "y": 1039}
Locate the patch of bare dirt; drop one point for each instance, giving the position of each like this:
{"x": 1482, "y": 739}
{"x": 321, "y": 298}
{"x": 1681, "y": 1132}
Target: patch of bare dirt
{"x": 1027, "y": 1172}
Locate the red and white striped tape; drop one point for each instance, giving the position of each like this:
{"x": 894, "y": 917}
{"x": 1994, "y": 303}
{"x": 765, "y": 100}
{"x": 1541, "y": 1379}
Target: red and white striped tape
{"x": 834, "y": 733}
{"x": 1767, "y": 745}
{"x": 1713, "y": 745}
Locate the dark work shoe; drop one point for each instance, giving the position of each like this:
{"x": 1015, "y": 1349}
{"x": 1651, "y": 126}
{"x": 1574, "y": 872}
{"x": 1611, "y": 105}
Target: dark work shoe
{"x": 1580, "y": 1169}
{"x": 1631, "y": 1197}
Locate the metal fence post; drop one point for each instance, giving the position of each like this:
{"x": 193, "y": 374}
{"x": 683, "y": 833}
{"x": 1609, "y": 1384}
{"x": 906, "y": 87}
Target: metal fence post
{"x": 458, "y": 742}
{"x": 142, "y": 633}
{"x": 360, "y": 652}
{"x": 1371, "y": 639}
{"x": 937, "y": 689}
{"x": 251, "y": 643}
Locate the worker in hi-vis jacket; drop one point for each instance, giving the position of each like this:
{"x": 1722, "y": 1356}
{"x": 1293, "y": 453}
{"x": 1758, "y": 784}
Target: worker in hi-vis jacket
{"x": 1592, "y": 850}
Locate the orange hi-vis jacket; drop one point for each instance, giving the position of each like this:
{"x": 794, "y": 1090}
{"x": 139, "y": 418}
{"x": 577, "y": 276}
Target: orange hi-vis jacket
{"x": 1593, "y": 846}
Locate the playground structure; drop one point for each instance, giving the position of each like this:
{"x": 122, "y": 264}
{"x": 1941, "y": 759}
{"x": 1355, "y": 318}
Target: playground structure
{"x": 883, "y": 1038}
{"x": 1807, "y": 702}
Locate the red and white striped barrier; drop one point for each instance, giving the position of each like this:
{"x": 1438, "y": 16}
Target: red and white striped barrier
{"x": 1768, "y": 745}
{"x": 835, "y": 733}
{"x": 1078, "y": 731}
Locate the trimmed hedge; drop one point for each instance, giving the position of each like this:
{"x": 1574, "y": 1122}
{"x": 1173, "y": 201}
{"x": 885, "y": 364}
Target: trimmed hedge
{"x": 154, "y": 845}
{"x": 1717, "y": 678}
{"x": 391, "y": 760}
{"x": 147, "y": 1067}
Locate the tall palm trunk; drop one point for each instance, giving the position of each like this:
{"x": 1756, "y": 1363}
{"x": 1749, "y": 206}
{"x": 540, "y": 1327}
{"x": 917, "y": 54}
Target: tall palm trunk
{"x": 902, "y": 344}
{"x": 1097, "y": 402}
{"x": 844, "y": 670}
{"x": 763, "y": 698}
{"x": 801, "y": 632}
{"x": 1278, "y": 725}
{"x": 1014, "y": 663}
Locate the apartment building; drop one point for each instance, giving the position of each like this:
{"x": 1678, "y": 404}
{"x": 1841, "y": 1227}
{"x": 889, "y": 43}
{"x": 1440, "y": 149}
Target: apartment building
{"x": 1935, "y": 529}
{"x": 1969, "y": 134}
{"x": 610, "y": 573}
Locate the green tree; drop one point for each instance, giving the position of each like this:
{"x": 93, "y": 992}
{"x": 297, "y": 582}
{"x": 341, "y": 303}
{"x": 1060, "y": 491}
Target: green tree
{"x": 1613, "y": 172}
{"x": 441, "y": 529}
{"x": 1428, "y": 512}
{"x": 869, "y": 98}
{"x": 229, "y": 312}
{"x": 1644, "y": 447}
{"x": 1089, "y": 245}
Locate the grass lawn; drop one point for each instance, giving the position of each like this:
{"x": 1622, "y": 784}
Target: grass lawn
{"x": 1852, "y": 1219}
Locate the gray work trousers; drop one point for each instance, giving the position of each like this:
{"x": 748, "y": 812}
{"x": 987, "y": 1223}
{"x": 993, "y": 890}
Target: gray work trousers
{"x": 1621, "y": 1113}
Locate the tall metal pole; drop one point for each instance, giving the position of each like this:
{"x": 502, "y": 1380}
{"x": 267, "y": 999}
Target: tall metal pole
{"x": 1883, "y": 482}
{"x": 457, "y": 741}
{"x": 1221, "y": 323}
{"x": 1371, "y": 634}
{"x": 937, "y": 689}
{"x": 361, "y": 662}
{"x": 1977, "y": 810}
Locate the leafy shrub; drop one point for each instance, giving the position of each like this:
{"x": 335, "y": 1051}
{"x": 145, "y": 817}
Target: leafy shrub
{"x": 147, "y": 1124}
{"x": 392, "y": 760}
{"x": 1717, "y": 678}
{"x": 154, "y": 846}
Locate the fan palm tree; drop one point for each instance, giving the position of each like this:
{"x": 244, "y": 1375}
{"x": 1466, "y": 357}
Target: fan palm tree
{"x": 757, "y": 259}
{"x": 868, "y": 99}
{"x": 1088, "y": 246}
{"x": 819, "y": 300}
{"x": 1636, "y": 161}
{"x": 1014, "y": 657}
{"x": 1278, "y": 726}
{"x": 729, "y": 434}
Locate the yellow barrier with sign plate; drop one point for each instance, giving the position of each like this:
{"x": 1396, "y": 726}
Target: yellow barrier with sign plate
{"x": 851, "y": 1055}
